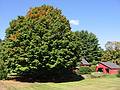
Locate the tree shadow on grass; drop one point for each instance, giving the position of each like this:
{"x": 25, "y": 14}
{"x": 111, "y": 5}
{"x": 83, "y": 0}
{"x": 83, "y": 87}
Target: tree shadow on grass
{"x": 56, "y": 78}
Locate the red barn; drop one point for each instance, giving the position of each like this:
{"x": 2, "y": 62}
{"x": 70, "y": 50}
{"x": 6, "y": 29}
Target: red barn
{"x": 107, "y": 68}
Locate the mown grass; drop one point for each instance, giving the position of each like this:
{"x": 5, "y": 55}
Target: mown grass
{"x": 87, "y": 84}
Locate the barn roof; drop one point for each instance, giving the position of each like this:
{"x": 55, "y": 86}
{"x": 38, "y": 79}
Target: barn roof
{"x": 84, "y": 62}
{"x": 110, "y": 65}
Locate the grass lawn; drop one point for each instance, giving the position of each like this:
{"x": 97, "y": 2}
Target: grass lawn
{"x": 88, "y": 84}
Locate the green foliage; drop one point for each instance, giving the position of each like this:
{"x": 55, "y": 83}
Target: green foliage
{"x": 97, "y": 74}
{"x": 84, "y": 70}
{"x": 3, "y": 66}
{"x": 40, "y": 42}
{"x": 93, "y": 67}
{"x": 3, "y": 70}
{"x": 112, "y": 52}
{"x": 89, "y": 47}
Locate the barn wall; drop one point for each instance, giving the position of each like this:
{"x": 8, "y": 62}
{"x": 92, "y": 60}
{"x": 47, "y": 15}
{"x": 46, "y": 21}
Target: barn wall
{"x": 113, "y": 71}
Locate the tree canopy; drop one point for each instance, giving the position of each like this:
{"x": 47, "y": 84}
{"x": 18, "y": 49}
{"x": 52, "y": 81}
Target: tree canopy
{"x": 40, "y": 41}
{"x": 89, "y": 46}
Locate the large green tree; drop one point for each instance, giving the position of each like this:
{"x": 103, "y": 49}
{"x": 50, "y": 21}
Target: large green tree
{"x": 89, "y": 47}
{"x": 41, "y": 41}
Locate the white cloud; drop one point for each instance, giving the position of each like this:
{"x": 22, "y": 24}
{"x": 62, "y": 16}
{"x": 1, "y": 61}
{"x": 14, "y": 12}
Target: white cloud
{"x": 74, "y": 22}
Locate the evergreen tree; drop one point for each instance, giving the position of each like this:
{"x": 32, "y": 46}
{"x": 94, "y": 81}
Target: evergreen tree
{"x": 89, "y": 47}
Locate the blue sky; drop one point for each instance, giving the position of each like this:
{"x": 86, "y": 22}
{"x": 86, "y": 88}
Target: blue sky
{"x": 102, "y": 17}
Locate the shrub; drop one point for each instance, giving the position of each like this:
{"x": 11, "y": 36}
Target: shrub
{"x": 3, "y": 71}
{"x": 97, "y": 74}
{"x": 93, "y": 67}
{"x": 84, "y": 70}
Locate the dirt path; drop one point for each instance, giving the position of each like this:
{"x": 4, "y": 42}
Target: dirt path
{"x": 2, "y": 86}
{"x": 11, "y": 84}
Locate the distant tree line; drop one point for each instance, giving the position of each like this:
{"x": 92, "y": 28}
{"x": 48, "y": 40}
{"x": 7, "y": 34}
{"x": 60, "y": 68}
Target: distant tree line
{"x": 112, "y": 52}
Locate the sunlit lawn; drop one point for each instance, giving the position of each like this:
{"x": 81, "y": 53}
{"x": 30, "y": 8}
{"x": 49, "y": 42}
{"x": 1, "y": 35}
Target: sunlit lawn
{"x": 88, "y": 84}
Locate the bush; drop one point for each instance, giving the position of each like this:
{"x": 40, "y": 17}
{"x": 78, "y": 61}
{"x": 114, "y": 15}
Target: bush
{"x": 93, "y": 67}
{"x": 3, "y": 71}
{"x": 84, "y": 70}
{"x": 97, "y": 74}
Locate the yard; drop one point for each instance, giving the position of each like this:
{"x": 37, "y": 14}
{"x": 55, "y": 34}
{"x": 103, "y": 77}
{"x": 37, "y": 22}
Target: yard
{"x": 87, "y": 84}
